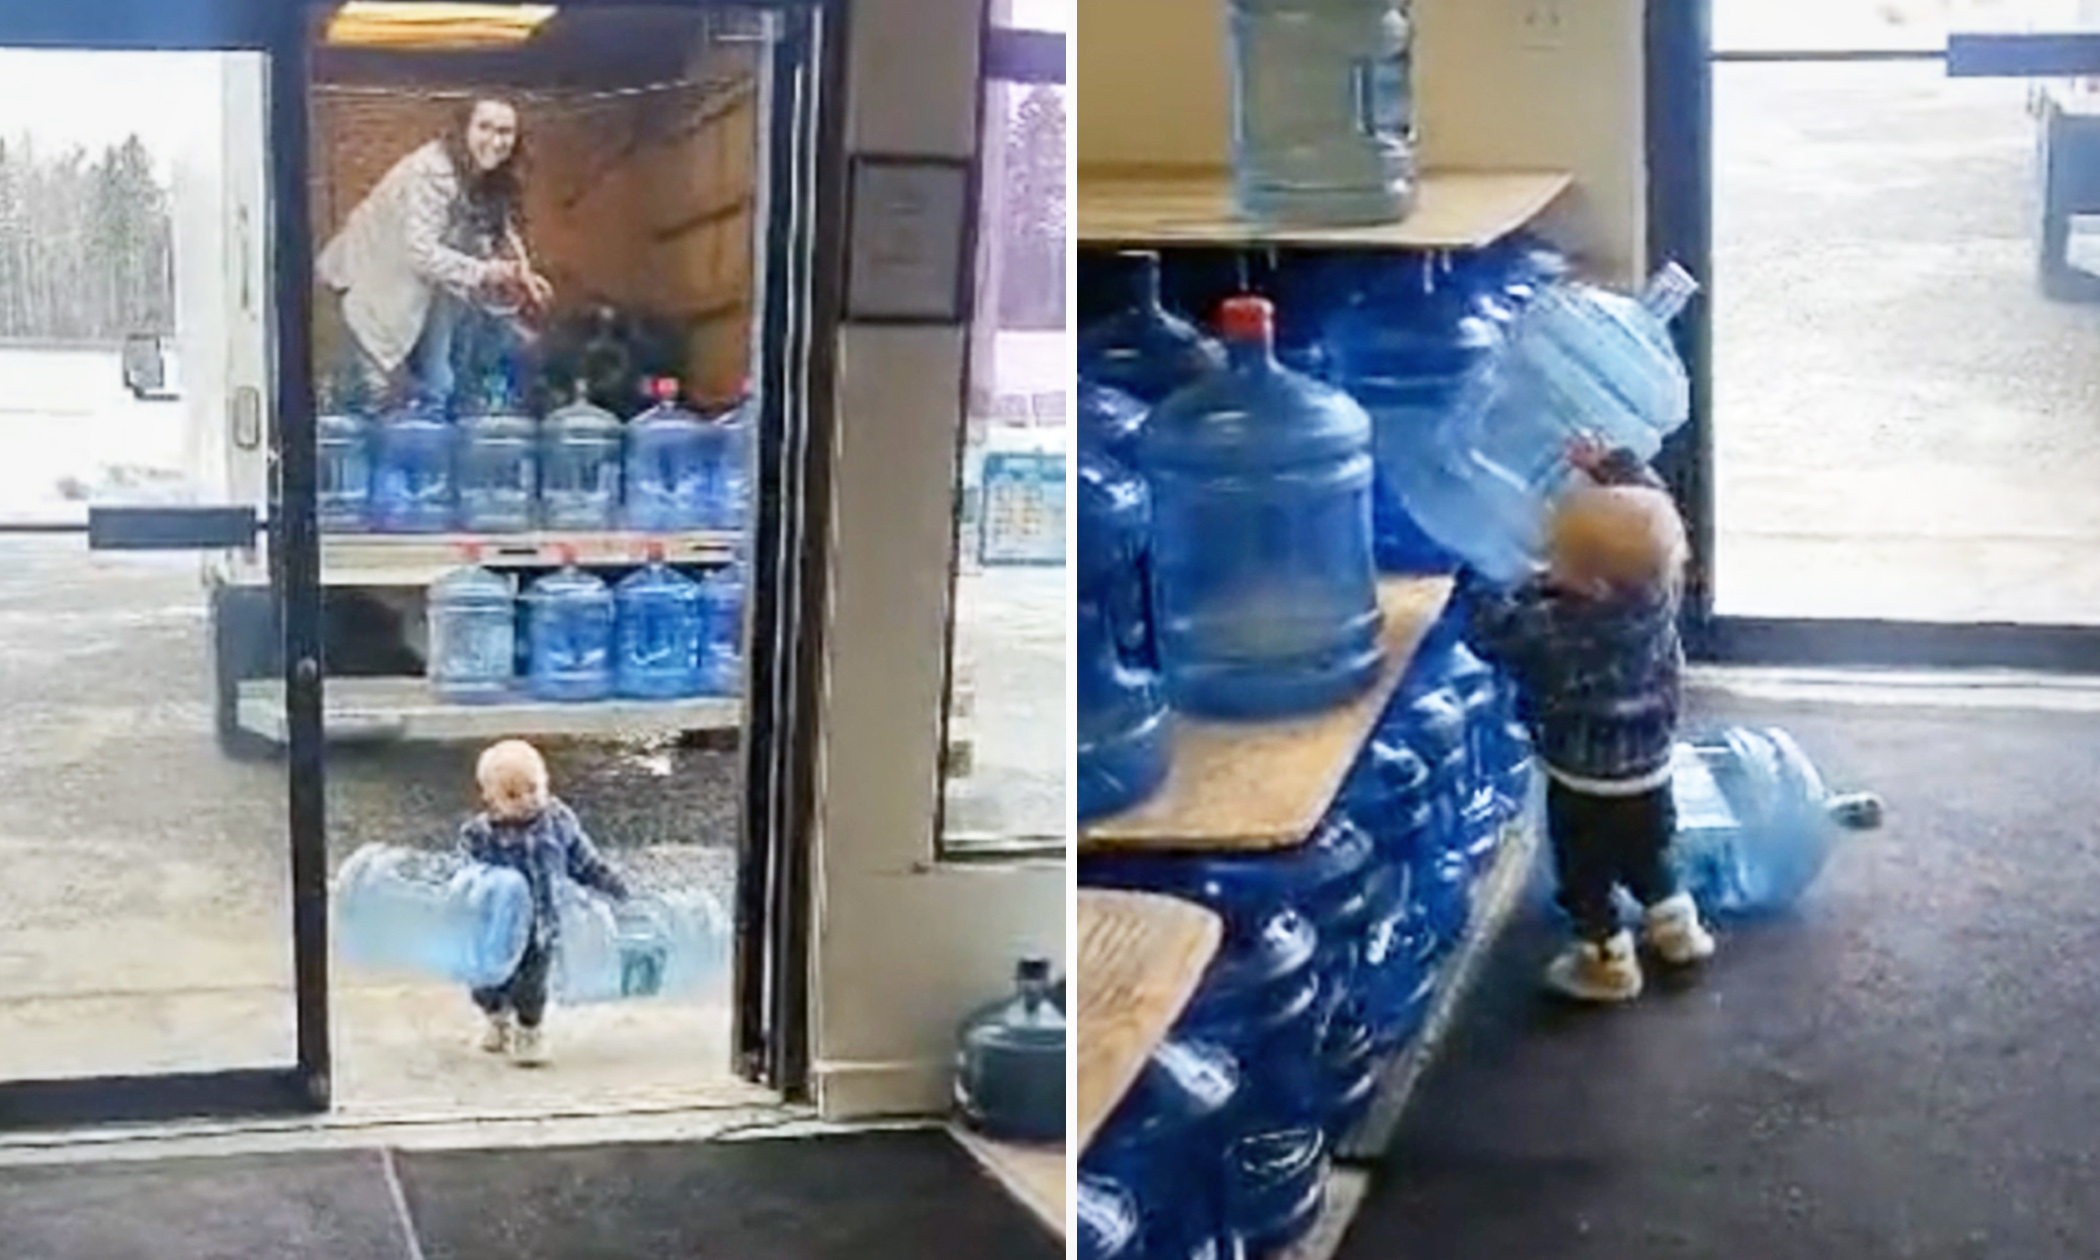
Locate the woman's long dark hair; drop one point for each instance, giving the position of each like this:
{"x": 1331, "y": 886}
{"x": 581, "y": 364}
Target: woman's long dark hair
{"x": 495, "y": 198}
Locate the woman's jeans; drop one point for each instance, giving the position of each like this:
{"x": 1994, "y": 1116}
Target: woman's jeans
{"x": 456, "y": 335}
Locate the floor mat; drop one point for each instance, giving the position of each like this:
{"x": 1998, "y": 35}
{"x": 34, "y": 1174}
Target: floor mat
{"x": 332, "y": 1204}
{"x": 1903, "y": 1068}
{"x": 873, "y": 1196}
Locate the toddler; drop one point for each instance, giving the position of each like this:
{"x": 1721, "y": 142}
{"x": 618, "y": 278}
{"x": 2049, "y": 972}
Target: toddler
{"x": 525, "y": 827}
{"x": 1593, "y": 648}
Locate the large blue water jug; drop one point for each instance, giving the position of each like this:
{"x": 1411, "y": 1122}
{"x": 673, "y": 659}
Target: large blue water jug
{"x": 1010, "y": 1062}
{"x": 413, "y": 486}
{"x": 1406, "y": 349}
{"x": 473, "y": 633}
{"x": 668, "y": 466}
{"x": 344, "y": 495}
{"x": 580, "y": 456}
{"x": 1105, "y": 1220}
{"x": 569, "y": 634}
{"x": 1263, "y": 581}
{"x": 1580, "y": 361}
{"x": 1755, "y": 824}
{"x": 722, "y": 631}
{"x": 1164, "y": 1142}
{"x": 1322, "y": 110}
{"x": 1123, "y": 726}
{"x": 431, "y": 914}
{"x": 659, "y": 623}
{"x": 1142, "y": 349}
{"x": 499, "y": 466}
{"x": 669, "y": 944}
{"x": 729, "y": 479}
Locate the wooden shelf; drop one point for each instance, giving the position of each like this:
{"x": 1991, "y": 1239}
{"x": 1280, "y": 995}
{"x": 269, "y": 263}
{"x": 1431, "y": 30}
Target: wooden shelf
{"x": 1453, "y": 210}
{"x": 1033, "y": 1175}
{"x": 1140, "y": 958}
{"x": 1246, "y": 786}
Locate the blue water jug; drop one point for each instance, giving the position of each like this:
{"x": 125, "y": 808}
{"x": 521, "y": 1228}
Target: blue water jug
{"x": 1407, "y": 349}
{"x": 1581, "y": 361}
{"x": 569, "y": 634}
{"x": 343, "y": 497}
{"x": 1260, "y": 999}
{"x": 1010, "y": 1062}
{"x": 729, "y": 479}
{"x": 668, "y": 465}
{"x": 431, "y": 914}
{"x": 413, "y": 487}
{"x": 1124, "y": 734}
{"x": 498, "y": 467}
{"x": 473, "y": 633}
{"x": 1263, "y": 583}
{"x": 1276, "y": 1187}
{"x": 1322, "y": 110}
{"x": 722, "y": 631}
{"x": 1755, "y": 824}
{"x": 1112, "y": 420}
{"x": 671, "y": 944}
{"x": 1142, "y": 349}
{"x": 659, "y": 622}
{"x": 1105, "y": 1220}
{"x": 580, "y": 456}
{"x": 1164, "y": 1142}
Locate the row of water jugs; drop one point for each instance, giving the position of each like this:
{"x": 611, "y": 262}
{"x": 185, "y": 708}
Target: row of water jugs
{"x": 416, "y": 471}
{"x": 1334, "y": 952}
{"x": 1234, "y": 510}
{"x": 657, "y": 635}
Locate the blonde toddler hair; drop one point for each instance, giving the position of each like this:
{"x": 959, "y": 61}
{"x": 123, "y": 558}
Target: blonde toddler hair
{"x": 513, "y": 779}
{"x": 1617, "y": 537}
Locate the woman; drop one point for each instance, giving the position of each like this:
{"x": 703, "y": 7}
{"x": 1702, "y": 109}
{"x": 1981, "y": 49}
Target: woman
{"x": 434, "y": 245}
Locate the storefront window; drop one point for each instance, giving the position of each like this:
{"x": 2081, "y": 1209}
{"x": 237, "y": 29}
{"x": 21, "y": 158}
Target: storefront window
{"x": 1007, "y": 771}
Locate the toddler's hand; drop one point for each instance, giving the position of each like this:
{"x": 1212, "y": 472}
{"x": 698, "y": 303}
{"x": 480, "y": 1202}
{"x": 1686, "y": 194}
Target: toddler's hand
{"x": 1587, "y": 453}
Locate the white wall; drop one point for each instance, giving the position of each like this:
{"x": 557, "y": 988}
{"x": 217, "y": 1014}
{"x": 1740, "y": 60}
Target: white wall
{"x": 1153, "y": 88}
{"x": 906, "y": 946}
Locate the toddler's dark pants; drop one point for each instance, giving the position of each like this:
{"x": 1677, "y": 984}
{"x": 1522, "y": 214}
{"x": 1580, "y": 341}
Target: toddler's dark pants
{"x": 1601, "y": 842}
{"x": 525, "y": 992}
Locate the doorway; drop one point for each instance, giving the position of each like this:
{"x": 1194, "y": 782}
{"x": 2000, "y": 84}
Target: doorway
{"x": 1891, "y": 441}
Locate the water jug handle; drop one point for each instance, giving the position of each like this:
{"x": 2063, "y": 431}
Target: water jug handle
{"x": 1669, "y": 291}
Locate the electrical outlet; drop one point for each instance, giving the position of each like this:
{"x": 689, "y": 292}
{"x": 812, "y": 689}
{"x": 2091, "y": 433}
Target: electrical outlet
{"x": 1539, "y": 24}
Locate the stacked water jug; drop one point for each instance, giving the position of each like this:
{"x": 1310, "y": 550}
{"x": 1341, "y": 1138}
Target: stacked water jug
{"x": 497, "y": 470}
{"x": 655, "y": 635}
{"x": 1233, "y": 516}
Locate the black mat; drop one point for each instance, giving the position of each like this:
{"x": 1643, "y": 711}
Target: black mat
{"x": 1910, "y": 1067}
{"x": 861, "y": 1197}
{"x": 332, "y": 1204}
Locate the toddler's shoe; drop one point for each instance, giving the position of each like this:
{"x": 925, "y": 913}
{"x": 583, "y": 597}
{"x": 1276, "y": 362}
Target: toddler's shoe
{"x": 1672, "y": 929}
{"x": 1590, "y": 971}
{"x": 495, "y": 1034}
{"x": 528, "y": 1047}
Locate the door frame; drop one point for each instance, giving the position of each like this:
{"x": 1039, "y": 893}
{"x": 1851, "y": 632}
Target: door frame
{"x": 796, "y": 325}
{"x": 1680, "y": 162}
{"x": 277, "y": 31}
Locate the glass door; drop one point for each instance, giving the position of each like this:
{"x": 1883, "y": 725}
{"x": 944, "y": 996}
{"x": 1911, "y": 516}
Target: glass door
{"x": 161, "y": 928}
{"x": 1892, "y": 444}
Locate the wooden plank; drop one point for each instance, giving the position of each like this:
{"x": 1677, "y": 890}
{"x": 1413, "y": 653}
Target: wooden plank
{"x": 1453, "y": 210}
{"x": 1034, "y": 1175}
{"x": 1140, "y": 958}
{"x": 405, "y": 709}
{"x": 1244, "y": 786}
